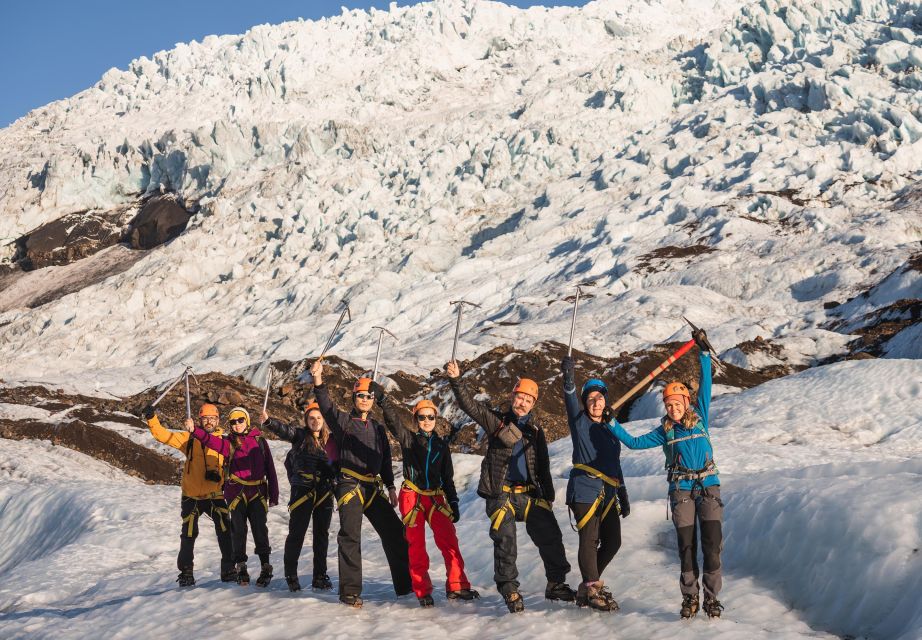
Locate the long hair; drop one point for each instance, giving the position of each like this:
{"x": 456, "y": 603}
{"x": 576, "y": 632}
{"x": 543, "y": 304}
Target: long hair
{"x": 690, "y": 419}
{"x": 324, "y": 431}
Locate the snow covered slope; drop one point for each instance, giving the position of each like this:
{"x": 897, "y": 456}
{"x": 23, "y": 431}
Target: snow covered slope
{"x": 735, "y": 162}
{"x": 822, "y": 538}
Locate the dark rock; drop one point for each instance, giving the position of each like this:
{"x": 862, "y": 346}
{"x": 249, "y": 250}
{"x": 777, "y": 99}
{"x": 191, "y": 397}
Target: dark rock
{"x": 69, "y": 238}
{"x": 160, "y": 220}
{"x": 230, "y": 397}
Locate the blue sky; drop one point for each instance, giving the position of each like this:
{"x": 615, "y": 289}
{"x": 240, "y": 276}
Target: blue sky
{"x": 53, "y": 49}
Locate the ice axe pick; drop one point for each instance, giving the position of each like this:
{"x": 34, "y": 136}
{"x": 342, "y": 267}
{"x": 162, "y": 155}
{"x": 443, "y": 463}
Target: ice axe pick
{"x": 374, "y": 372}
{"x": 460, "y": 307}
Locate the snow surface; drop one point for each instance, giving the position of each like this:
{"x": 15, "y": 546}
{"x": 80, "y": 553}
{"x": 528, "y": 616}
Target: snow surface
{"x": 822, "y": 538}
{"x": 465, "y": 149}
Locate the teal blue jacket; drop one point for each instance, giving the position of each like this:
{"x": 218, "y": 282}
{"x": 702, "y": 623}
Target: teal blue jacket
{"x": 694, "y": 453}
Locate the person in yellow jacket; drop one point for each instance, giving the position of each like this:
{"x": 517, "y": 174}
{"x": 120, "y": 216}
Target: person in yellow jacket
{"x": 202, "y": 480}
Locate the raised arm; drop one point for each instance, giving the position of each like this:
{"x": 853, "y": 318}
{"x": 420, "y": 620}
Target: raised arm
{"x": 213, "y": 442}
{"x": 655, "y": 438}
{"x": 570, "y": 400}
{"x": 175, "y": 439}
{"x": 704, "y": 388}
{"x": 284, "y": 431}
{"x": 394, "y": 424}
{"x": 478, "y": 411}
{"x": 330, "y": 413}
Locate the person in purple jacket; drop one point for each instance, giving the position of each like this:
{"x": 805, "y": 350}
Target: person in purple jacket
{"x": 250, "y": 488}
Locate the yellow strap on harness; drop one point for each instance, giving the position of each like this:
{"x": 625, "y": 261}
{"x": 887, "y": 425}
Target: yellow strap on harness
{"x": 595, "y": 473}
{"x": 518, "y": 488}
{"x": 357, "y": 491}
{"x": 595, "y": 506}
{"x": 224, "y": 511}
{"x": 247, "y": 483}
{"x": 497, "y": 518}
{"x": 423, "y": 492}
{"x": 191, "y": 520}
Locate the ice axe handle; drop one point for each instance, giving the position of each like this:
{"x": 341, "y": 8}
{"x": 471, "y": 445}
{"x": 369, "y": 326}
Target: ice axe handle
{"x": 685, "y": 348}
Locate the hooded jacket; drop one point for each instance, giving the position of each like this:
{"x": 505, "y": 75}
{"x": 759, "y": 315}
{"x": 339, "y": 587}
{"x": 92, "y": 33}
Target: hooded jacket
{"x": 504, "y": 431}
{"x": 250, "y": 461}
{"x": 199, "y": 459}
{"x": 426, "y": 457}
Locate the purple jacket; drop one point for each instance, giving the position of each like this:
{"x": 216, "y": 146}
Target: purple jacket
{"x": 250, "y": 462}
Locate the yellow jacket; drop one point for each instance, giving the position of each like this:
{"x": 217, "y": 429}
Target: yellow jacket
{"x": 194, "y": 484}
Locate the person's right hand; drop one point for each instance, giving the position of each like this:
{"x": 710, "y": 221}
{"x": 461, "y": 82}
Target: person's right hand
{"x": 189, "y": 425}
{"x": 378, "y": 392}
{"x": 263, "y": 417}
{"x": 452, "y": 369}
{"x": 317, "y": 372}
{"x": 148, "y": 412}
{"x": 567, "y": 367}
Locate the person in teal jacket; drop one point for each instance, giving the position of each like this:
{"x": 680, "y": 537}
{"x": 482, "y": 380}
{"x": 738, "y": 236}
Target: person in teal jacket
{"x": 694, "y": 484}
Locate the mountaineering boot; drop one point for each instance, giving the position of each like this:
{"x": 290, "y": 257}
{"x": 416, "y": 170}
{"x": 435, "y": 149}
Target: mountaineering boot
{"x": 265, "y": 575}
{"x": 229, "y": 576}
{"x": 689, "y": 606}
{"x": 243, "y": 576}
{"x": 712, "y": 607}
{"x": 514, "y": 602}
{"x": 186, "y": 579}
{"x": 293, "y": 583}
{"x": 351, "y": 600}
{"x": 463, "y": 594}
{"x": 590, "y": 595}
{"x": 559, "y": 591}
{"x": 605, "y": 592}
{"x": 426, "y": 601}
{"x": 322, "y": 582}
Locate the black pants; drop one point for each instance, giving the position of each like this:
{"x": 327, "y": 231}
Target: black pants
{"x": 302, "y": 505}
{"x": 599, "y": 538}
{"x": 542, "y": 528}
{"x": 700, "y": 508}
{"x": 374, "y": 505}
{"x": 216, "y": 509}
{"x": 254, "y": 512}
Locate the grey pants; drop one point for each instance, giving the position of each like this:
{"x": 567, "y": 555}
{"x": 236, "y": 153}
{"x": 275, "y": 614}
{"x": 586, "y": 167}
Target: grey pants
{"x": 691, "y": 510}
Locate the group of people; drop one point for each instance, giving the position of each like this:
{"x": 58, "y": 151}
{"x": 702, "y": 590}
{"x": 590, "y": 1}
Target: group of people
{"x": 343, "y": 456}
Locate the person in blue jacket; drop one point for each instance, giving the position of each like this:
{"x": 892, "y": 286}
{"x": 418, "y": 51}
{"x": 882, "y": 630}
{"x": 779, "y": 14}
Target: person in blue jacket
{"x": 595, "y": 493}
{"x": 694, "y": 484}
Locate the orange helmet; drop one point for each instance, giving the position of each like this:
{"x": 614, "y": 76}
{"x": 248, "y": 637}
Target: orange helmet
{"x": 527, "y": 386}
{"x": 208, "y": 411}
{"x": 362, "y": 385}
{"x": 425, "y": 404}
{"x": 313, "y": 406}
{"x": 676, "y": 389}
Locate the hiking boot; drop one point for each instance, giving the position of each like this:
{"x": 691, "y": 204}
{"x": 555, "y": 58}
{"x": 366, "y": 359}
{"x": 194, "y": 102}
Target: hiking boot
{"x": 322, "y": 582}
{"x": 559, "y": 591}
{"x": 243, "y": 576}
{"x": 514, "y": 601}
{"x": 265, "y": 575}
{"x": 293, "y": 583}
{"x": 595, "y": 596}
{"x": 712, "y": 607}
{"x": 426, "y": 601}
{"x": 689, "y": 606}
{"x": 463, "y": 594}
{"x": 229, "y": 576}
{"x": 186, "y": 579}
{"x": 351, "y": 600}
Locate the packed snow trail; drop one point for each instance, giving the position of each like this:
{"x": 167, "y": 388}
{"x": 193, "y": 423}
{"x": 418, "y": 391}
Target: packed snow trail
{"x": 823, "y": 546}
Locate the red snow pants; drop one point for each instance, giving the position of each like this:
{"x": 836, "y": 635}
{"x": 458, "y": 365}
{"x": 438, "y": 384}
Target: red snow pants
{"x": 417, "y": 510}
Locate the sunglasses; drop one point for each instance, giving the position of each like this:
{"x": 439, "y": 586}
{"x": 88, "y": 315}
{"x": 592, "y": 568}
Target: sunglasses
{"x": 420, "y": 417}
{"x": 237, "y": 421}
{"x": 364, "y": 396}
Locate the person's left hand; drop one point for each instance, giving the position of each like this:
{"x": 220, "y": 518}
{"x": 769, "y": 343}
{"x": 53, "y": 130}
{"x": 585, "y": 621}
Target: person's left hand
{"x": 392, "y": 496}
{"x": 263, "y": 417}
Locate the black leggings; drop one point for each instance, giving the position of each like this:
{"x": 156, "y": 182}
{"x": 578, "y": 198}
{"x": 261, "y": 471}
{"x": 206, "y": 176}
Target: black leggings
{"x": 301, "y": 512}
{"x": 252, "y": 512}
{"x": 599, "y": 539}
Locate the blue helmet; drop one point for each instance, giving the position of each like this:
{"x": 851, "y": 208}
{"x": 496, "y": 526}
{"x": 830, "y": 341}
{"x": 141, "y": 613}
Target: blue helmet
{"x": 593, "y": 384}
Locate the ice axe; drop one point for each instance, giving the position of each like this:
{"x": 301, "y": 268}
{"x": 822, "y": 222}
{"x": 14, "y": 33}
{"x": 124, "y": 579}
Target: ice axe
{"x": 186, "y": 374}
{"x": 460, "y": 303}
{"x": 339, "y": 323}
{"x": 268, "y": 384}
{"x": 374, "y": 372}
{"x": 579, "y": 291}
{"x": 707, "y": 343}
{"x": 168, "y": 389}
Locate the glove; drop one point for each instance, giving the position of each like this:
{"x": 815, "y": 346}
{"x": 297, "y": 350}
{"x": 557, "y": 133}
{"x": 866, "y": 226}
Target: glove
{"x": 607, "y": 415}
{"x": 701, "y": 339}
{"x": 455, "y": 511}
{"x": 148, "y": 412}
{"x": 567, "y": 368}
{"x": 624, "y": 502}
{"x": 378, "y": 390}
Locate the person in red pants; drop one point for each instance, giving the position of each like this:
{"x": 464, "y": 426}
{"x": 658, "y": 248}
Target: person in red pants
{"x": 427, "y": 496}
